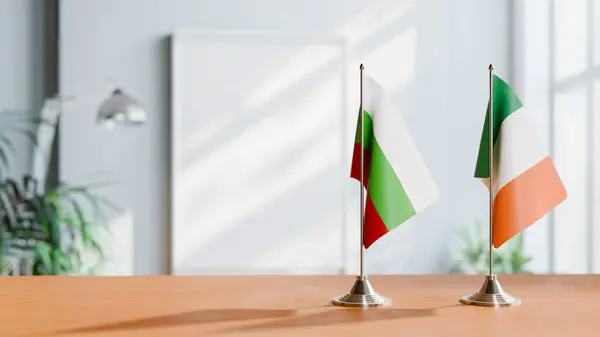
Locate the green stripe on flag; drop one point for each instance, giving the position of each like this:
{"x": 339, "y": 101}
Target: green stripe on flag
{"x": 368, "y": 130}
{"x": 386, "y": 190}
{"x": 505, "y": 103}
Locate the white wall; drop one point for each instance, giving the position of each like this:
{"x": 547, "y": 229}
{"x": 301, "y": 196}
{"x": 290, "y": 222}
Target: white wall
{"x": 22, "y": 71}
{"x": 432, "y": 56}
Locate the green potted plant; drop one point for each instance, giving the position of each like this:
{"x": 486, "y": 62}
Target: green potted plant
{"x": 50, "y": 232}
{"x": 471, "y": 256}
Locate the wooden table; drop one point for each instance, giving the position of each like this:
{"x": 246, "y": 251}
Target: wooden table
{"x": 423, "y": 306}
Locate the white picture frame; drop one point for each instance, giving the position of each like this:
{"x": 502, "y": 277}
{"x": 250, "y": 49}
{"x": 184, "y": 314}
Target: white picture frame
{"x": 343, "y": 248}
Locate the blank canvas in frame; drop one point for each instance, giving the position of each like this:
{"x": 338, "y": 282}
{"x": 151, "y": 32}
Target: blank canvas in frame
{"x": 257, "y": 154}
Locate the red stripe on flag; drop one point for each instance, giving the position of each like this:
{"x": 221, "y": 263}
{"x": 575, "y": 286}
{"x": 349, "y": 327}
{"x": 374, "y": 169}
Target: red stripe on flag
{"x": 374, "y": 226}
{"x": 355, "y": 169}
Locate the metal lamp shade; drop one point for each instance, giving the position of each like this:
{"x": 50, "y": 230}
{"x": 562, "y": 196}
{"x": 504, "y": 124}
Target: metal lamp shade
{"x": 120, "y": 108}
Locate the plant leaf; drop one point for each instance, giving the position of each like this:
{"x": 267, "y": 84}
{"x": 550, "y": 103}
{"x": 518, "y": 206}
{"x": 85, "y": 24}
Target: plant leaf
{"x": 9, "y": 144}
{"x": 473, "y": 253}
{"x": 94, "y": 245}
{"x": 5, "y": 161}
{"x": 82, "y": 221}
{"x": 7, "y": 151}
{"x": 43, "y": 252}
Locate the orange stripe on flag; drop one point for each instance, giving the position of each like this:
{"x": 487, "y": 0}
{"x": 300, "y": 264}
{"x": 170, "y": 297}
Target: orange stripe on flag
{"x": 526, "y": 199}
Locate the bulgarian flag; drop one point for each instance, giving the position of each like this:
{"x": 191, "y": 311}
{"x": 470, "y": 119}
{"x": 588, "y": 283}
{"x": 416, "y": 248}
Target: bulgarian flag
{"x": 397, "y": 180}
{"x": 526, "y": 184}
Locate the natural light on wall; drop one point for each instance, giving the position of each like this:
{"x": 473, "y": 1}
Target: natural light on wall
{"x": 399, "y": 54}
{"x": 270, "y": 180}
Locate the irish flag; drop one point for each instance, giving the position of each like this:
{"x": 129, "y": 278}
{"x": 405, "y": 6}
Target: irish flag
{"x": 397, "y": 180}
{"x": 526, "y": 184}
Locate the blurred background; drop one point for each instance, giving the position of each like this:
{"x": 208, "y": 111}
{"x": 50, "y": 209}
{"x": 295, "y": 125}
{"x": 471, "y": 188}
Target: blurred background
{"x": 215, "y": 136}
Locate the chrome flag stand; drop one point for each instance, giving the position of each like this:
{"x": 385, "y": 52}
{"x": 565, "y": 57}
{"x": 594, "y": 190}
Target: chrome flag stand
{"x": 362, "y": 294}
{"x": 491, "y": 293}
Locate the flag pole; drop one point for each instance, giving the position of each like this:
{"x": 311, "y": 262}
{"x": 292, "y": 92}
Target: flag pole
{"x": 362, "y": 294}
{"x": 362, "y": 173}
{"x": 491, "y": 165}
{"x": 491, "y": 293}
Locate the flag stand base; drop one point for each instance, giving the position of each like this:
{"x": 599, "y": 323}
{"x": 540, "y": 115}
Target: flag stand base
{"x": 491, "y": 294}
{"x": 361, "y": 295}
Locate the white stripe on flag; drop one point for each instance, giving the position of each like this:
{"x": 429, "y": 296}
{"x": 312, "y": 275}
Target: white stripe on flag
{"x": 516, "y": 150}
{"x": 398, "y": 147}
